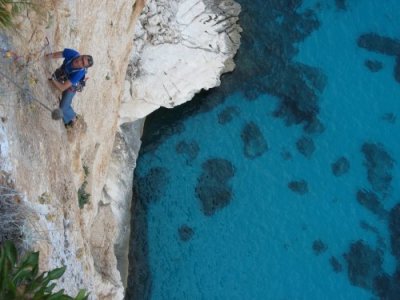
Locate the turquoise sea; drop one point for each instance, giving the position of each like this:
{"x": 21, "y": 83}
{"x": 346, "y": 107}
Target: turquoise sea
{"x": 282, "y": 183}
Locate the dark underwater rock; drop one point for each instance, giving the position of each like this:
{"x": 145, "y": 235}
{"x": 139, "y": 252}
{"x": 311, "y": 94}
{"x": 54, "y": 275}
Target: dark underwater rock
{"x": 189, "y": 149}
{"x": 254, "y": 142}
{"x": 299, "y": 91}
{"x": 300, "y": 187}
{"x": 341, "y": 4}
{"x": 319, "y": 247}
{"x": 379, "y": 166}
{"x": 363, "y": 265}
{"x": 185, "y": 233}
{"x": 371, "y": 201}
{"x": 373, "y": 65}
{"x": 305, "y": 146}
{"x": 394, "y": 227}
{"x": 380, "y": 44}
{"x": 336, "y": 265}
{"x": 367, "y": 227}
{"x": 382, "y": 286}
{"x": 341, "y": 166}
{"x": 314, "y": 126}
{"x": 213, "y": 187}
{"x": 227, "y": 114}
{"x": 389, "y": 117}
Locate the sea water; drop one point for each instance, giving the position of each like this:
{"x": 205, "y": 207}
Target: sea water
{"x": 283, "y": 182}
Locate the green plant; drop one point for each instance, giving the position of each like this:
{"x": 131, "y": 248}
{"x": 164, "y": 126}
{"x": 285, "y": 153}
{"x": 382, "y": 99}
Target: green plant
{"x": 83, "y": 196}
{"x": 20, "y": 279}
{"x": 9, "y": 9}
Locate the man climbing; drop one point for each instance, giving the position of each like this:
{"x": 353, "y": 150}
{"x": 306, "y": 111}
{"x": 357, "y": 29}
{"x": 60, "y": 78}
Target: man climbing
{"x": 69, "y": 79}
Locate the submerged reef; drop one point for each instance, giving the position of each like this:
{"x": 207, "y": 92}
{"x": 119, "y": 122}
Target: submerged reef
{"x": 305, "y": 146}
{"x": 300, "y": 187}
{"x": 364, "y": 264}
{"x": 371, "y": 201}
{"x": 389, "y": 117}
{"x": 213, "y": 187}
{"x": 379, "y": 166}
{"x": 319, "y": 247}
{"x": 364, "y": 269}
{"x": 380, "y": 44}
{"x": 373, "y": 65}
{"x": 185, "y": 232}
{"x": 253, "y": 140}
{"x": 341, "y": 166}
{"x": 336, "y": 265}
{"x": 384, "y": 45}
{"x": 189, "y": 149}
{"x": 228, "y": 114}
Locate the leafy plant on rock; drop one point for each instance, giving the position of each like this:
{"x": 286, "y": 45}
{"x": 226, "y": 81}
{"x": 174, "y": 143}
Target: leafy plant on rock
{"x": 20, "y": 279}
{"x": 83, "y": 196}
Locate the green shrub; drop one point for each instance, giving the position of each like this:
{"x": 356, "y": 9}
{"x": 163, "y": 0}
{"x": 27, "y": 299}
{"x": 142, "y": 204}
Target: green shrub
{"x": 20, "y": 279}
{"x": 83, "y": 196}
{"x": 9, "y": 9}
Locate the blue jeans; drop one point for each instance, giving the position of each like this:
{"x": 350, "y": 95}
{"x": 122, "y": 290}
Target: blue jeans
{"x": 66, "y": 106}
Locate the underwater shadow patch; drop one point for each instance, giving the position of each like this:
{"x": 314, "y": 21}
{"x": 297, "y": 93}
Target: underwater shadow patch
{"x": 379, "y": 166}
{"x": 228, "y": 114}
{"x": 319, "y": 247}
{"x": 373, "y": 65}
{"x": 185, "y": 232}
{"x": 371, "y": 201}
{"x": 152, "y": 186}
{"x": 305, "y": 146}
{"x": 300, "y": 186}
{"x": 335, "y": 264}
{"x": 364, "y": 264}
{"x": 189, "y": 149}
{"x": 254, "y": 142}
{"x": 213, "y": 188}
{"x": 383, "y": 45}
{"x": 340, "y": 167}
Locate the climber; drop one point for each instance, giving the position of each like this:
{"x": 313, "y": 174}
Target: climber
{"x": 69, "y": 79}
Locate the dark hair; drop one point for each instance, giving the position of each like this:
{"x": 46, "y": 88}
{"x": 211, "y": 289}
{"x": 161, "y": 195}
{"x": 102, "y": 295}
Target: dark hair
{"x": 89, "y": 60}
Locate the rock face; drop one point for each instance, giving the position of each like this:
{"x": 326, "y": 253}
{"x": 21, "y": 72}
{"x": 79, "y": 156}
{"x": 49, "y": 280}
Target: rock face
{"x": 181, "y": 47}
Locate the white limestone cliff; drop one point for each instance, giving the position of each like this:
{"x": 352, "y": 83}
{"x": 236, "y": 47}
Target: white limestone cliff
{"x": 181, "y": 47}
{"x": 178, "y": 48}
